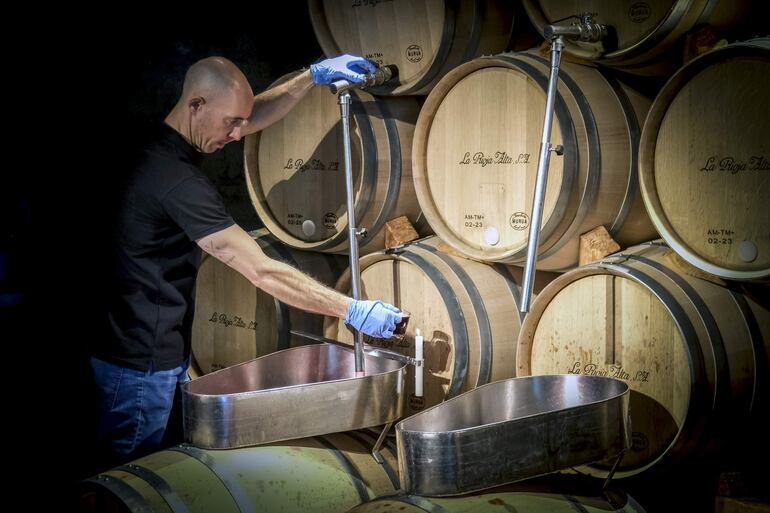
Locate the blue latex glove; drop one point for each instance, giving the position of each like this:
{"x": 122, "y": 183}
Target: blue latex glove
{"x": 344, "y": 67}
{"x": 373, "y": 318}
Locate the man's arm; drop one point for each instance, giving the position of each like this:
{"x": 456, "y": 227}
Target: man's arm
{"x": 273, "y": 104}
{"x": 276, "y": 102}
{"x": 236, "y": 248}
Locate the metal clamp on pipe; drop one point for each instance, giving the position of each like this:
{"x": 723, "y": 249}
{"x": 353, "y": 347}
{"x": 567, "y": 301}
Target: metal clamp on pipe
{"x": 380, "y": 76}
{"x": 585, "y": 29}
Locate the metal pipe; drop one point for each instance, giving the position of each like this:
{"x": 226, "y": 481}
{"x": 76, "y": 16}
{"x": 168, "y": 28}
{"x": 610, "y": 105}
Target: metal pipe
{"x": 586, "y": 29}
{"x": 355, "y": 276}
{"x": 557, "y": 44}
{"x": 381, "y": 75}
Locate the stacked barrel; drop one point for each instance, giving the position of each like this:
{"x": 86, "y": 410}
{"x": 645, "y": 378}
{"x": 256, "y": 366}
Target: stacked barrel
{"x": 235, "y": 322}
{"x": 295, "y": 177}
{"x": 683, "y": 320}
{"x": 453, "y": 146}
{"x": 475, "y": 178}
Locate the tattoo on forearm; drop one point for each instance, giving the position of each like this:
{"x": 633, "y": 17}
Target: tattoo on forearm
{"x": 220, "y": 255}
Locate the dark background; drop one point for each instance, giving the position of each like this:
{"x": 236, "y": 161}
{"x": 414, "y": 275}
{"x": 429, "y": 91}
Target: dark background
{"x": 92, "y": 85}
{"x": 94, "y": 78}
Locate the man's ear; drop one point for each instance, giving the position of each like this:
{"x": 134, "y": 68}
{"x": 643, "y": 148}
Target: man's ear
{"x": 196, "y": 103}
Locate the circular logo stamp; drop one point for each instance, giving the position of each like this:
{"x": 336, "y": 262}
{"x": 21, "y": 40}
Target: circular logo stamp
{"x": 639, "y": 12}
{"x": 414, "y": 53}
{"x": 330, "y": 220}
{"x": 519, "y": 221}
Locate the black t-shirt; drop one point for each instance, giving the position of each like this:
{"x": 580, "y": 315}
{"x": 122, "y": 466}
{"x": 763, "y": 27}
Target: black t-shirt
{"x": 166, "y": 204}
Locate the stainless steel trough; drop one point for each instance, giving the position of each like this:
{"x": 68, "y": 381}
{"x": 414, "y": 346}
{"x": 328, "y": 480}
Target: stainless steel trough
{"x": 512, "y": 430}
{"x": 302, "y": 391}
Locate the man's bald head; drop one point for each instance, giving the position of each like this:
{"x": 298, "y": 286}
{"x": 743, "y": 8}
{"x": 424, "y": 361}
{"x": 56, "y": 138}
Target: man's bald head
{"x": 212, "y": 77}
{"x": 216, "y": 104}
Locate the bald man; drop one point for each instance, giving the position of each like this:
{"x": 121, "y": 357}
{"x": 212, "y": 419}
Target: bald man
{"x": 169, "y": 211}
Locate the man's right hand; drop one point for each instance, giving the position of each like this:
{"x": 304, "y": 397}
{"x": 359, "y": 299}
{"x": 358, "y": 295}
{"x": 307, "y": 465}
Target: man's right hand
{"x": 344, "y": 67}
{"x": 374, "y": 318}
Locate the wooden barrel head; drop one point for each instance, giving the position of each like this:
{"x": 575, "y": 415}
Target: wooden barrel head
{"x": 705, "y": 159}
{"x": 693, "y": 352}
{"x": 408, "y": 35}
{"x": 530, "y": 496}
{"x": 481, "y": 159}
{"x": 423, "y": 38}
{"x": 295, "y": 170}
{"x": 404, "y": 284}
{"x": 234, "y": 321}
{"x": 327, "y": 474}
{"x": 476, "y": 152}
{"x": 467, "y": 312}
{"x": 632, "y": 23}
{"x": 622, "y": 332}
{"x": 643, "y": 36}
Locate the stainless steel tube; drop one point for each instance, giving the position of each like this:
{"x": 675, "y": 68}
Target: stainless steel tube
{"x": 585, "y": 30}
{"x": 557, "y": 44}
{"x": 355, "y": 276}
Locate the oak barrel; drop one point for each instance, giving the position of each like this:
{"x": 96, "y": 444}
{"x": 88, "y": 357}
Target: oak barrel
{"x": 646, "y": 33}
{"x": 694, "y": 352}
{"x": 476, "y": 151}
{"x": 530, "y": 501}
{"x": 423, "y": 38}
{"x": 329, "y": 473}
{"x": 467, "y": 312}
{"x": 705, "y": 161}
{"x": 296, "y": 177}
{"x": 235, "y": 321}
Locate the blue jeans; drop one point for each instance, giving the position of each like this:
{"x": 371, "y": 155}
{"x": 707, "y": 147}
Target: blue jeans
{"x": 134, "y": 407}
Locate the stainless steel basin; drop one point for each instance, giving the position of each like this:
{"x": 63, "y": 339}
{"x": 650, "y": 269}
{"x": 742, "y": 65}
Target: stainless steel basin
{"x": 511, "y": 430}
{"x": 299, "y": 392}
